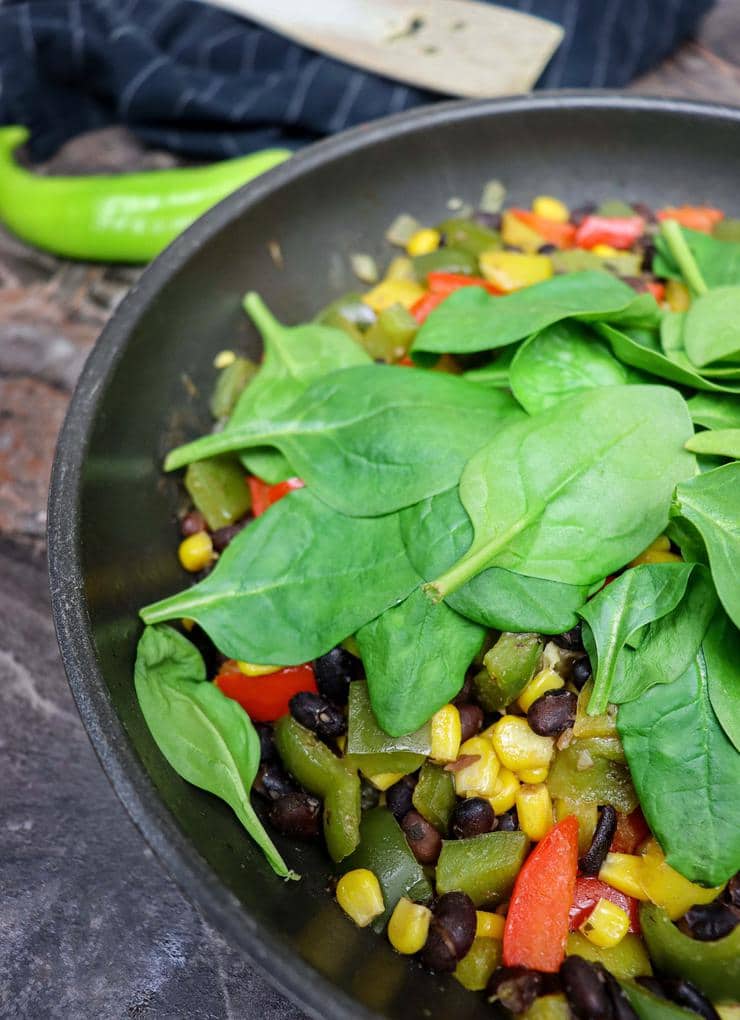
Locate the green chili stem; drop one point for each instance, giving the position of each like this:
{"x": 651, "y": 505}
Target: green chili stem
{"x": 683, "y": 255}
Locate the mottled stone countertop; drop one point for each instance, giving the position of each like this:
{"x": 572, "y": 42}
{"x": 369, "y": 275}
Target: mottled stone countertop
{"x": 90, "y": 924}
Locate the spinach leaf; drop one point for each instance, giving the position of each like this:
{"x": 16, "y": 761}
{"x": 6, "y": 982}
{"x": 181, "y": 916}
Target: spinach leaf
{"x": 716, "y": 442}
{"x": 715, "y": 411}
{"x": 373, "y": 439}
{"x": 688, "y": 540}
{"x": 711, "y": 502}
{"x": 437, "y": 532}
{"x": 415, "y": 657}
{"x": 207, "y": 738}
{"x": 712, "y": 327}
{"x": 561, "y": 360}
{"x": 718, "y": 261}
{"x": 294, "y": 356}
{"x": 575, "y": 492}
{"x": 722, "y": 654}
{"x": 470, "y": 319}
{"x": 685, "y": 772}
{"x": 631, "y": 601}
{"x": 496, "y": 373}
{"x": 295, "y": 582}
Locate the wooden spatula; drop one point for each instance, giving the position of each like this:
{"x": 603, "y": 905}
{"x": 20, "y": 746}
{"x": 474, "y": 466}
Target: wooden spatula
{"x": 458, "y": 47}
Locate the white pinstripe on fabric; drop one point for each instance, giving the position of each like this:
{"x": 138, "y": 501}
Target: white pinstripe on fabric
{"x": 568, "y": 21}
{"x": 608, "y": 21}
{"x": 78, "y": 32}
{"x": 205, "y": 51}
{"x": 26, "y": 27}
{"x": 270, "y": 82}
{"x": 398, "y": 98}
{"x": 636, "y": 38}
{"x": 249, "y": 54}
{"x": 302, "y": 86}
{"x": 344, "y": 107}
{"x": 128, "y": 94}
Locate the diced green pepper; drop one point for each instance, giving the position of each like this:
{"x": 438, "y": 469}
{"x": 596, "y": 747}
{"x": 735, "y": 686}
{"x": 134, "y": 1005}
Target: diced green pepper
{"x": 434, "y": 795}
{"x": 615, "y": 208}
{"x": 391, "y": 334}
{"x": 627, "y": 959}
{"x": 712, "y": 966}
{"x": 467, "y": 235}
{"x": 480, "y": 961}
{"x": 326, "y": 776}
{"x": 593, "y": 769}
{"x": 230, "y": 383}
{"x": 548, "y": 1007}
{"x": 727, "y": 230}
{"x": 509, "y": 666}
{"x": 348, "y": 313}
{"x": 484, "y": 866}
{"x": 576, "y": 260}
{"x": 652, "y": 1007}
{"x": 384, "y": 851}
{"x": 371, "y": 749}
{"x": 587, "y": 813}
{"x": 218, "y": 488}
{"x": 444, "y": 260}
{"x": 604, "y": 725}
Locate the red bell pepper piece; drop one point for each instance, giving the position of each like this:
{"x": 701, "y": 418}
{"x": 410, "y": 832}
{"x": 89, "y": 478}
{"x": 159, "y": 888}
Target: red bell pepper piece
{"x": 264, "y": 495}
{"x": 562, "y": 235}
{"x": 587, "y": 894}
{"x": 426, "y": 304}
{"x": 537, "y": 922}
{"x": 446, "y": 283}
{"x": 695, "y": 217}
{"x": 618, "y": 231}
{"x": 267, "y": 697}
{"x": 632, "y": 831}
{"x": 657, "y": 289}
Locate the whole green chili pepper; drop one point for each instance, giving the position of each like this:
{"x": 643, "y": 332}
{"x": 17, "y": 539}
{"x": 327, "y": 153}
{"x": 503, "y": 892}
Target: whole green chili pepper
{"x": 115, "y": 217}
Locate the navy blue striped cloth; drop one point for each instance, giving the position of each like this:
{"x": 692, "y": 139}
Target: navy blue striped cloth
{"x": 200, "y": 81}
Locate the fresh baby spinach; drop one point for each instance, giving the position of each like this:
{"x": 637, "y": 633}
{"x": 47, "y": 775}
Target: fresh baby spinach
{"x": 496, "y": 373}
{"x": 295, "y": 582}
{"x": 718, "y": 261}
{"x": 711, "y": 503}
{"x": 716, "y": 443}
{"x": 721, "y": 647}
{"x": 712, "y": 327}
{"x": 573, "y": 493}
{"x": 372, "y": 439}
{"x": 207, "y": 738}
{"x": 715, "y": 411}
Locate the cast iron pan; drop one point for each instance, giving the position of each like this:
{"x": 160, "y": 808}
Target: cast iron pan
{"x": 145, "y": 388}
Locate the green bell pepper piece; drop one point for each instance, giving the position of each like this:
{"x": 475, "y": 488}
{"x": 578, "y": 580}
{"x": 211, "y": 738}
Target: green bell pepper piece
{"x": 218, "y": 488}
{"x": 484, "y": 866}
{"x": 434, "y": 796}
{"x": 627, "y": 959}
{"x": 727, "y": 230}
{"x": 509, "y": 666}
{"x": 371, "y": 749}
{"x": 615, "y": 208}
{"x": 651, "y": 1007}
{"x": 475, "y": 969}
{"x": 230, "y": 383}
{"x": 444, "y": 260}
{"x": 714, "y": 967}
{"x": 349, "y": 313}
{"x": 326, "y": 776}
{"x": 384, "y": 851}
{"x": 548, "y": 1007}
{"x": 391, "y": 334}
{"x": 469, "y": 236}
{"x": 593, "y": 769}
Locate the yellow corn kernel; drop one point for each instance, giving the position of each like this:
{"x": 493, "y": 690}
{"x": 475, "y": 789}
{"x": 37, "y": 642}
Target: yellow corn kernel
{"x": 728, "y": 1011}
{"x": 409, "y": 926}
{"x": 488, "y": 925}
{"x": 504, "y": 794}
{"x": 360, "y": 896}
{"x": 624, "y": 872}
{"x": 196, "y": 551}
{"x": 187, "y": 624}
{"x": 533, "y": 775}
{"x": 667, "y": 888}
{"x": 479, "y": 778}
{"x": 383, "y": 780}
{"x": 423, "y": 241}
{"x": 446, "y": 733}
{"x": 510, "y": 270}
{"x": 223, "y": 359}
{"x": 393, "y": 292}
{"x": 677, "y": 296}
{"x": 659, "y": 551}
{"x": 606, "y": 925}
{"x": 551, "y": 208}
{"x": 517, "y": 745}
{"x": 545, "y": 680}
{"x": 534, "y": 808}
{"x": 400, "y": 268}
{"x": 606, "y": 251}
{"x": 256, "y": 668}
{"x": 518, "y": 234}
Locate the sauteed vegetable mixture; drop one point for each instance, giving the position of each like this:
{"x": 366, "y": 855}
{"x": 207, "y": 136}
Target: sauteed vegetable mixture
{"x": 467, "y": 550}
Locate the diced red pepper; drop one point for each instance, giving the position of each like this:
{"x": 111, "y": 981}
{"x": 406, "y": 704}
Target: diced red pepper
{"x": 264, "y": 495}
{"x": 657, "y": 289}
{"x": 407, "y": 362}
{"x": 537, "y": 921}
{"x": 446, "y": 283}
{"x": 695, "y": 217}
{"x": 587, "y": 894}
{"x": 618, "y": 231}
{"x": 562, "y": 235}
{"x": 426, "y": 304}
{"x": 632, "y": 831}
{"x": 267, "y": 697}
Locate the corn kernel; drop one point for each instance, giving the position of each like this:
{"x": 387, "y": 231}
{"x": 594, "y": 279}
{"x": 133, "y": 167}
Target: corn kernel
{"x": 479, "y": 778}
{"x": 624, "y": 872}
{"x": 518, "y": 747}
{"x": 677, "y": 296}
{"x": 223, "y": 359}
{"x": 383, "y": 780}
{"x": 446, "y": 733}
{"x": 534, "y": 808}
{"x": 423, "y": 241}
{"x": 669, "y": 889}
{"x": 488, "y": 925}
{"x": 545, "y": 680}
{"x": 393, "y": 292}
{"x": 533, "y": 775}
{"x": 606, "y": 251}
{"x": 550, "y": 208}
{"x": 196, "y": 551}
{"x": 519, "y": 234}
{"x": 655, "y": 556}
{"x": 505, "y": 791}
{"x": 360, "y": 896}
{"x": 256, "y": 668}
{"x": 187, "y": 624}
{"x": 400, "y": 268}
{"x": 409, "y": 926}
{"x": 510, "y": 270}
{"x": 606, "y": 925}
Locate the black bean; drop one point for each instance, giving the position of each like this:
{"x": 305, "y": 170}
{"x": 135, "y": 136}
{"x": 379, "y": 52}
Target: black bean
{"x": 590, "y": 863}
{"x": 585, "y": 989}
{"x": 424, "y": 840}
{"x": 710, "y": 921}
{"x": 271, "y": 782}
{"x": 513, "y": 247}
{"x": 223, "y": 536}
{"x": 192, "y": 523}
{"x": 570, "y": 639}
{"x": 652, "y": 984}
{"x": 547, "y": 249}
{"x": 399, "y": 797}
{"x": 579, "y": 214}
{"x": 644, "y": 210}
{"x": 334, "y": 671}
{"x": 516, "y": 988}
{"x": 508, "y": 822}
{"x": 488, "y": 219}
{"x": 297, "y": 815}
{"x": 471, "y": 721}
{"x": 620, "y": 1003}
{"x": 553, "y": 712}
{"x": 732, "y": 891}
{"x": 318, "y": 714}
{"x": 465, "y": 693}
{"x": 472, "y": 817}
{"x": 683, "y": 993}
{"x": 581, "y": 671}
{"x": 369, "y": 795}
{"x": 451, "y": 931}
{"x": 268, "y": 751}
